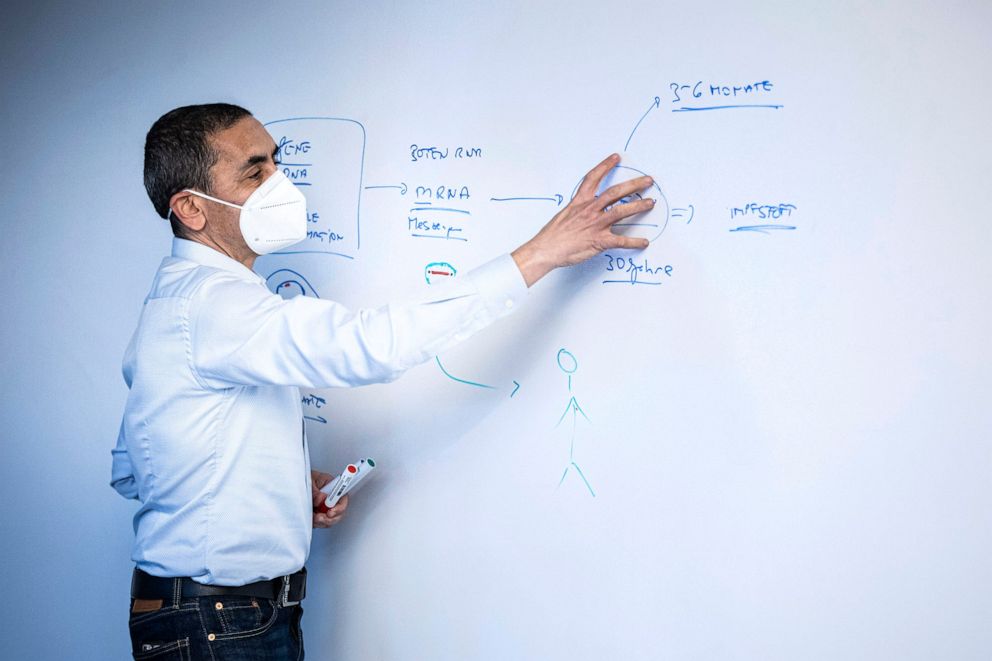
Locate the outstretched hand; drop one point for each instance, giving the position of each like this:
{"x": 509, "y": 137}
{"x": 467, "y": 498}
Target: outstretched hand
{"x": 582, "y": 229}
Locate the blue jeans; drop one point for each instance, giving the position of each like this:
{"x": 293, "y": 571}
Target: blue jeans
{"x": 216, "y": 628}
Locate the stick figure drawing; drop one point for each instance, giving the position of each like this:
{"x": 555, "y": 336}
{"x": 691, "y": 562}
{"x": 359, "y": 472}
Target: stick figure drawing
{"x": 568, "y": 364}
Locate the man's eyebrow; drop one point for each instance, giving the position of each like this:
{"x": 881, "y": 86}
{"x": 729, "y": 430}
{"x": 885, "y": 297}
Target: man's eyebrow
{"x": 259, "y": 158}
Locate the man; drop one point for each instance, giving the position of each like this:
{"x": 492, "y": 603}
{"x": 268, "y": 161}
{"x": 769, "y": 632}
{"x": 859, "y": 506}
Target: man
{"x": 212, "y": 441}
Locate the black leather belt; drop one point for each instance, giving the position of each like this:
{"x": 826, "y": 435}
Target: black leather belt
{"x": 287, "y": 590}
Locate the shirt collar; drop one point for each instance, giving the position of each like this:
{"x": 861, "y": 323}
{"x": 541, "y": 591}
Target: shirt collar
{"x": 207, "y": 256}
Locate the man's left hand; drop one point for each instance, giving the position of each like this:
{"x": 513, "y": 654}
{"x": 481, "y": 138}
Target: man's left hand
{"x": 333, "y": 515}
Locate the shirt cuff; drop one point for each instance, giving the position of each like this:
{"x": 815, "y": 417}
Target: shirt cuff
{"x": 500, "y": 284}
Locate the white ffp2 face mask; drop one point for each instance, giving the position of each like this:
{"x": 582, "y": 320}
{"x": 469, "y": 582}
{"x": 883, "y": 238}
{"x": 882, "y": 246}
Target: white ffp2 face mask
{"x": 273, "y": 217}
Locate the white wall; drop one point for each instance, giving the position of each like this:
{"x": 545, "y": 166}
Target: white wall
{"x": 788, "y": 439}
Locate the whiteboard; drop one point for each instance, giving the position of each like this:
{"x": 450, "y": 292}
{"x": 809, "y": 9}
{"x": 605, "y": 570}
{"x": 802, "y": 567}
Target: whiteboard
{"x": 764, "y": 437}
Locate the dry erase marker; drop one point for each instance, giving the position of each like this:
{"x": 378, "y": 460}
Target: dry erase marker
{"x": 347, "y": 475}
{"x": 365, "y": 467}
{"x": 332, "y": 485}
{"x": 348, "y": 478}
{"x": 335, "y": 489}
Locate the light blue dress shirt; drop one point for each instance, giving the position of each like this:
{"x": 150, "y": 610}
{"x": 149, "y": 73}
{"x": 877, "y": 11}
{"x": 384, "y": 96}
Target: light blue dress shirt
{"x": 212, "y": 441}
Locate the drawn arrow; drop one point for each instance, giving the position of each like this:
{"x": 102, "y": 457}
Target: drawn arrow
{"x": 654, "y": 104}
{"x": 455, "y": 378}
{"x": 515, "y": 389}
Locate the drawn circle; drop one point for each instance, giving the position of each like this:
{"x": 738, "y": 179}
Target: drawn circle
{"x": 439, "y": 270}
{"x": 288, "y": 284}
{"x": 290, "y": 288}
{"x": 569, "y": 359}
{"x": 654, "y": 221}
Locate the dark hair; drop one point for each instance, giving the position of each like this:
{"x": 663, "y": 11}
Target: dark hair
{"x": 178, "y": 154}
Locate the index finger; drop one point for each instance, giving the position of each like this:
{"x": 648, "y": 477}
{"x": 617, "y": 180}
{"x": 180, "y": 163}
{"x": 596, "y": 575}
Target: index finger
{"x": 590, "y": 182}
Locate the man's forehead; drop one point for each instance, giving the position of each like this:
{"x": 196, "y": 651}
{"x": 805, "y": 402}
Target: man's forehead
{"x": 242, "y": 140}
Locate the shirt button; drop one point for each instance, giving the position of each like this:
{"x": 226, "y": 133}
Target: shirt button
{"x": 508, "y": 304}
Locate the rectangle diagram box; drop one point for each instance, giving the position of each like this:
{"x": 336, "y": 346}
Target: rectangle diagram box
{"x": 325, "y": 158}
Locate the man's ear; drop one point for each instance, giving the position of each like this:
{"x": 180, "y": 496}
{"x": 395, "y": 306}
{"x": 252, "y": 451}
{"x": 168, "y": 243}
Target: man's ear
{"x": 187, "y": 210}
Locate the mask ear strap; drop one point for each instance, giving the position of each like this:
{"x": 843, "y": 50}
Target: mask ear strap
{"x": 168, "y": 216}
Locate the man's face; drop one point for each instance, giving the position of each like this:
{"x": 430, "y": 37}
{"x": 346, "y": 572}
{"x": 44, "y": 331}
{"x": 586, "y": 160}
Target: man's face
{"x": 245, "y": 158}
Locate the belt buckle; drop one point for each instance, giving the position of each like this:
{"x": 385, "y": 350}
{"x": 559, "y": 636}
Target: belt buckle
{"x": 284, "y": 593}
